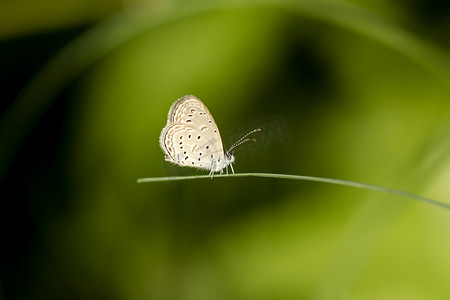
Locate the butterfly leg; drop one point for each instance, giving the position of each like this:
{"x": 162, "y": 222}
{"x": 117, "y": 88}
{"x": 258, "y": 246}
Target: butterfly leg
{"x": 231, "y": 166}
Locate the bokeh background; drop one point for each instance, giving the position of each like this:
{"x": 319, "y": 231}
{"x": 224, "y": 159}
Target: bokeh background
{"x": 356, "y": 90}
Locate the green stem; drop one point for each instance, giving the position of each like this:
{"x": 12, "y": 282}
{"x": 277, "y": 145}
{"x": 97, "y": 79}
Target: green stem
{"x": 308, "y": 178}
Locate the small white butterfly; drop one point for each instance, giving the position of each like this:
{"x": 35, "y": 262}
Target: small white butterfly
{"x": 191, "y": 137}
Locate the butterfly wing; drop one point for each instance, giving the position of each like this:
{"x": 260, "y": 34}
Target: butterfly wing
{"x": 191, "y": 137}
{"x": 186, "y": 108}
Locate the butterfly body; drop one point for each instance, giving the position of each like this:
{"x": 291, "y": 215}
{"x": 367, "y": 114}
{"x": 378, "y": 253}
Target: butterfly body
{"x": 191, "y": 137}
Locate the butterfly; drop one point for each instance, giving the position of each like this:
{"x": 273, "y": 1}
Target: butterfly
{"x": 191, "y": 137}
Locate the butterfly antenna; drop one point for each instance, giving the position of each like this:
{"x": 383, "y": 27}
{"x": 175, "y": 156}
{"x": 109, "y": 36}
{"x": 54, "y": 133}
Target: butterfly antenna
{"x": 243, "y": 140}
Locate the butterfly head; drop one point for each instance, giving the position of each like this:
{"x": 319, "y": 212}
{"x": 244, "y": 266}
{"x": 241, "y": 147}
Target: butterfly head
{"x": 229, "y": 157}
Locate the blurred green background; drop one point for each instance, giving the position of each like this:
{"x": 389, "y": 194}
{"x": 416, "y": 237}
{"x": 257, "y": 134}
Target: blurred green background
{"x": 356, "y": 90}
